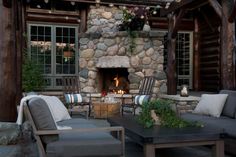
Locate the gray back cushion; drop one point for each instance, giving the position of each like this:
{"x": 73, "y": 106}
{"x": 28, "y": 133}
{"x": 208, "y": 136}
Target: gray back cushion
{"x": 230, "y": 104}
{"x": 42, "y": 118}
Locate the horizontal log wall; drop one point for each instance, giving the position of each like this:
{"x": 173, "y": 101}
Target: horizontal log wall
{"x": 210, "y": 51}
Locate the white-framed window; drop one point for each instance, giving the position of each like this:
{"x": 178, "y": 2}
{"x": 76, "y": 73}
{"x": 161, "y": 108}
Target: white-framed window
{"x": 184, "y": 58}
{"x": 55, "y": 49}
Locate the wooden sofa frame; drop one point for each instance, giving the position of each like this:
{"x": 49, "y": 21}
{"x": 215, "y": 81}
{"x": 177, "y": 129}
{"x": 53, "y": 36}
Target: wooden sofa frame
{"x": 37, "y": 133}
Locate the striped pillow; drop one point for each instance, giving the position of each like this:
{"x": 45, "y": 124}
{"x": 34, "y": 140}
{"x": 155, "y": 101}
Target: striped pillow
{"x": 139, "y": 99}
{"x": 73, "y": 98}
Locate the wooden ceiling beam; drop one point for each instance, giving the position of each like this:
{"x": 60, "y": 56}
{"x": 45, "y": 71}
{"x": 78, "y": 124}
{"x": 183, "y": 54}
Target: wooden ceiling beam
{"x": 233, "y": 13}
{"x": 217, "y": 7}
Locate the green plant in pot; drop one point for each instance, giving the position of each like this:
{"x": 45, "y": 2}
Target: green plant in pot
{"x": 165, "y": 114}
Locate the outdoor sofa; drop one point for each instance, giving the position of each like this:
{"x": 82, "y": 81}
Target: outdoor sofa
{"x": 226, "y": 120}
{"x": 74, "y": 138}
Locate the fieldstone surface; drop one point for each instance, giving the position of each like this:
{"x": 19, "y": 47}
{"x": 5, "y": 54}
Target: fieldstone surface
{"x": 9, "y": 133}
{"x": 104, "y": 46}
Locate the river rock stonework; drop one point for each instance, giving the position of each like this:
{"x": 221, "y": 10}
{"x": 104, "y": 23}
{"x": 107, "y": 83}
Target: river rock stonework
{"x": 104, "y": 46}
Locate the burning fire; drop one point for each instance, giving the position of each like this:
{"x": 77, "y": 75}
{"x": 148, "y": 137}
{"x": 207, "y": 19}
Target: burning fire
{"x": 119, "y": 91}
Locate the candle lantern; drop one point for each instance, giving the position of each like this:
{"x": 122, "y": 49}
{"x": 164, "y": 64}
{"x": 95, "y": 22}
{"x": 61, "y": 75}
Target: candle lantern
{"x": 184, "y": 92}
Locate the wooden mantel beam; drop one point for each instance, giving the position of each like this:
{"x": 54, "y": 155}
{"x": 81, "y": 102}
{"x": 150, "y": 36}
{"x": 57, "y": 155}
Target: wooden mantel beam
{"x": 233, "y": 13}
{"x": 217, "y": 7}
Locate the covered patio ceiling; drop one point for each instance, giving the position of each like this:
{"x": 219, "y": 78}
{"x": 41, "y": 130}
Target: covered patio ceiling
{"x": 194, "y": 4}
{"x": 161, "y": 3}
{"x": 127, "y": 2}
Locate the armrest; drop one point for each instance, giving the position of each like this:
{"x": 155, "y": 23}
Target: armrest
{"x": 53, "y": 132}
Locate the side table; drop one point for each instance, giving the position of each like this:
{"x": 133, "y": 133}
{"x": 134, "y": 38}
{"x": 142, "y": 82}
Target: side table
{"x": 105, "y": 109}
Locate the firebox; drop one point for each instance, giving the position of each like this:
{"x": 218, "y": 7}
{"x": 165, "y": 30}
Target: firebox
{"x": 113, "y": 80}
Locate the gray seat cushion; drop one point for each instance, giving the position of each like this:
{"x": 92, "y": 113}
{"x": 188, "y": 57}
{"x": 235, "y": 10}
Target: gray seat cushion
{"x": 42, "y": 118}
{"x": 84, "y": 144}
{"x": 226, "y": 123}
{"x": 230, "y": 104}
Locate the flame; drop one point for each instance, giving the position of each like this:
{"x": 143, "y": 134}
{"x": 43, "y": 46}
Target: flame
{"x": 121, "y": 92}
{"x": 116, "y": 81}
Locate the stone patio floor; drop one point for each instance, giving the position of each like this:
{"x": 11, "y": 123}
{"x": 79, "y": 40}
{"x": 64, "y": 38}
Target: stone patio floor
{"x": 29, "y": 149}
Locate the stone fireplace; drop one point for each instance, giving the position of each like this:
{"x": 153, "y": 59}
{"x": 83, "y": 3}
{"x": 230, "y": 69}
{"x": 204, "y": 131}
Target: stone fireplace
{"x": 105, "y": 56}
{"x": 105, "y": 59}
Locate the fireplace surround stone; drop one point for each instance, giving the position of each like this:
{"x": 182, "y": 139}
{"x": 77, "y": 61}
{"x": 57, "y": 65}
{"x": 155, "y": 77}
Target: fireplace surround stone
{"x": 146, "y": 60}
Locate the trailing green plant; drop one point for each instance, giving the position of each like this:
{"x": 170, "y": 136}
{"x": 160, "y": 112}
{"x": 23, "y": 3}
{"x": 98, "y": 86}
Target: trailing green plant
{"x": 163, "y": 110}
{"x": 32, "y": 76}
{"x": 132, "y": 44}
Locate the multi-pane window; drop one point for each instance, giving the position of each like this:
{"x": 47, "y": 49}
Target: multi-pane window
{"x": 54, "y": 48}
{"x": 184, "y": 58}
{"x": 183, "y": 54}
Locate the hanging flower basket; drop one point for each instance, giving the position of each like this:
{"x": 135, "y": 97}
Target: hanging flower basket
{"x": 133, "y": 19}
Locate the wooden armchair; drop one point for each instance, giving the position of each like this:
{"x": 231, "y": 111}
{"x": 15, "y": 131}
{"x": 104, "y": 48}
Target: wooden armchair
{"x": 74, "y": 98}
{"x": 78, "y": 141}
{"x": 145, "y": 92}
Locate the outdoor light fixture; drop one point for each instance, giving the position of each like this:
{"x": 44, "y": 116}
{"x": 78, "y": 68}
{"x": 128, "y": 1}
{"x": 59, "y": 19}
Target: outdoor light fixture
{"x": 72, "y": 3}
{"x": 167, "y": 5}
{"x": 111, "y": 5}
{"x": 154, "y": 12}
{"x": 158, "y": 7}
{"x": 46, "y": 1}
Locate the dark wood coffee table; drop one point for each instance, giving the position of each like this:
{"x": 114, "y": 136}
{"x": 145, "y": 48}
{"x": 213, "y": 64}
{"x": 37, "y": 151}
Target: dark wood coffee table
{"x": 161, "y": 137}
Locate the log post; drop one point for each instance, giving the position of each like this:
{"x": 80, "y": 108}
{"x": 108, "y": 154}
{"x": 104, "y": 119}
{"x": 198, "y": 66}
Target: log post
{"x": 8, "y": 60}
{"x": 227, "y": 49}
{"x": 196, "y": 52}
{"x": 83, "y": 20}
{"x": 171, "y": 61}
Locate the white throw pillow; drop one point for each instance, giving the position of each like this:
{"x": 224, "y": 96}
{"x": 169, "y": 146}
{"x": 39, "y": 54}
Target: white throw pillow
{"x": 211, "y": 104}
{"x": 57, "y": 108}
